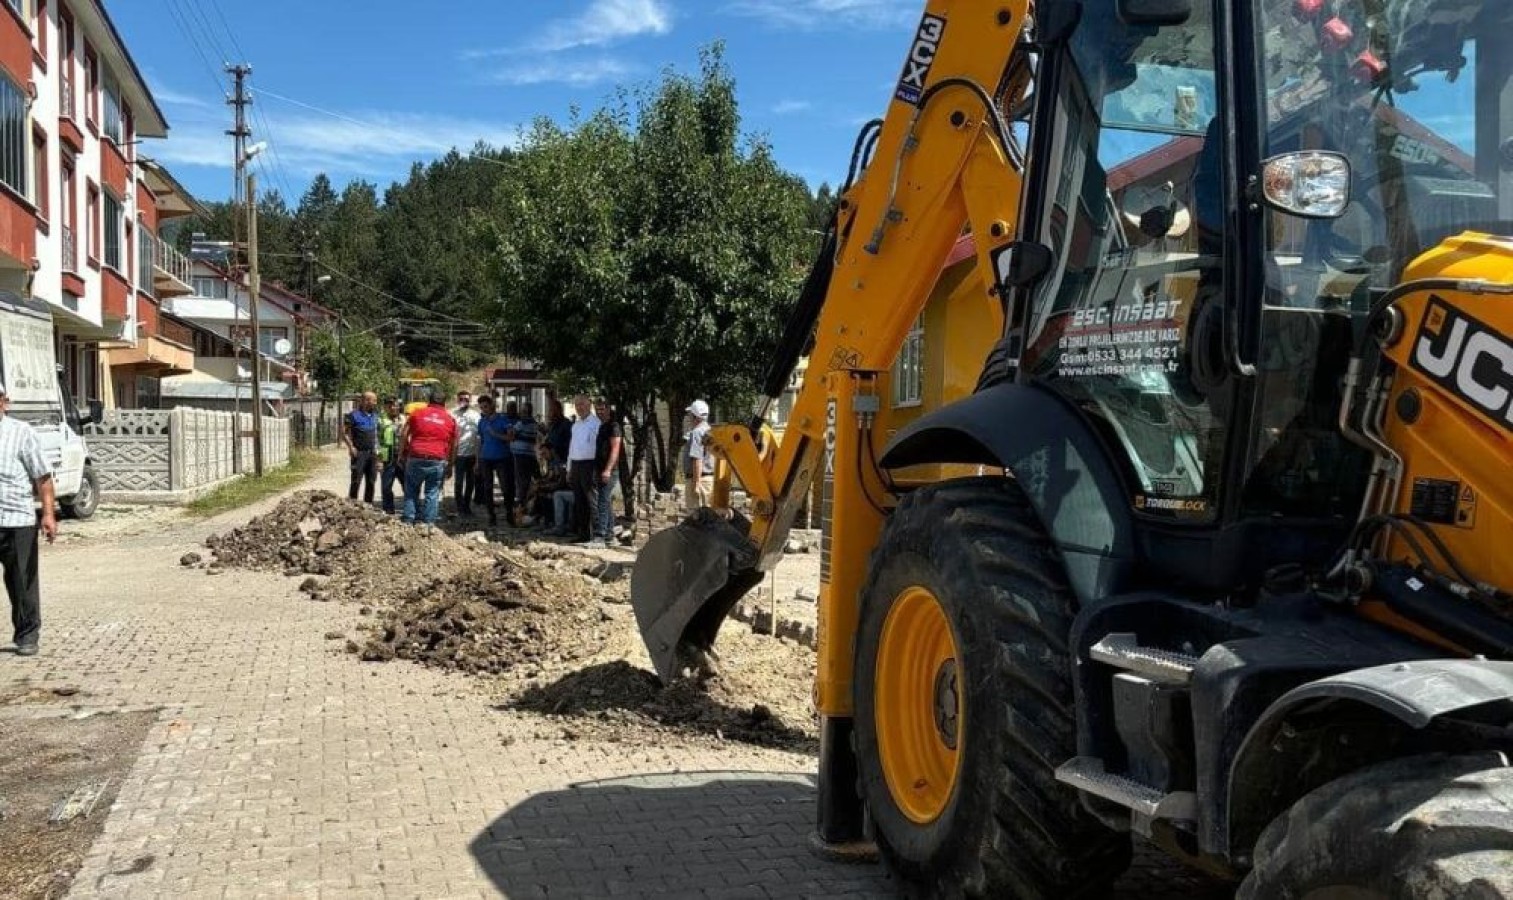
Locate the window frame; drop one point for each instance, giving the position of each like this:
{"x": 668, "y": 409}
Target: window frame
{"x": 40, "y": 175}
{"x": 91, "y": 88}
{"x": 93, "y": 215}
{"x": 909, "y": 368}
{"x": 108, "y": 198}
{"x": 21, "y": 186}
{"x": 68, "y": 208}
{"x": 225, "y": 287}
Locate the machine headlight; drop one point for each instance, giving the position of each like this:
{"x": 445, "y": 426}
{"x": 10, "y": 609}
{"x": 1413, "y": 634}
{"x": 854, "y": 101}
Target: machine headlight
{"x": 1313, "y": 184}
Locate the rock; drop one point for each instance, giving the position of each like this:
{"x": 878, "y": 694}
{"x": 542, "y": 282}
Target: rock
{"x": 334, "y": 635}
{"x": 476, "y": 537}
{"x": 190, "y": 559}
{"x": 328, "y": 541}
{"x": 293, "y": 572}
{"x": 214, "y": 569}
{"x": 310, "y": 585}
{"x": 352, "y": 647}
{"x": 807, "y": 595}
{"x": 607, "y": 571}
{"x": 365, "y": 611}
{"x": 793, "y": 546}
{"x": 65, "y": 690}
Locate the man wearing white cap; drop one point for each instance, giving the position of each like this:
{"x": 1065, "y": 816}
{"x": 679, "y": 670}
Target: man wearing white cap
{"x": 698, "y": 465}
{"x": 24, "y": 476}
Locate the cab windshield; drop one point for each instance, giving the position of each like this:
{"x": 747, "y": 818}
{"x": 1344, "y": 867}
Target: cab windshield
{"x": 1416, "y": 93}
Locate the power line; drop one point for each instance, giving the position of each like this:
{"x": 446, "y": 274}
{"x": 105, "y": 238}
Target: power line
{"x": 430, "y": 312}
{"x": 313, "y": 108}
{"x": 230, "y": 32}
{"x": 180, "y": 23}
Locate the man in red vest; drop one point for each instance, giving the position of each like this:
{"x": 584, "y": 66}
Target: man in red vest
{"x": 428, "y": 448}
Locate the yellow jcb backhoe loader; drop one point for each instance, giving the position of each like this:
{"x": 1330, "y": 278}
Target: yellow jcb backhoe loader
{"x": 1230, "y": 565}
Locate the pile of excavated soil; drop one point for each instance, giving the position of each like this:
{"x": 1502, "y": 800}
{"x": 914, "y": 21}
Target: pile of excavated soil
{"x": 553, "y": 626}
{"x": 510, "y": 614}
{"x": 761, "y": 695}
{"x": 307, "y": 533}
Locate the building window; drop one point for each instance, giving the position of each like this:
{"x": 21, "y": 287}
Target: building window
{"x": 39, "y": 175}
{"x": 113, "y": 233}
{"x": 92, "y": 225}
{"x": 39, "y": 29}
{"x": 91, "y": 84}
{"x": 66, "y": 62}
{"x": 908, "y": 370}
{"x": 19, "y": 6}
{"x": 66, "y": 203}
{"x": 214, "y": 288}
{"x": 112, "y": 93}
{"x": 146, "y": 249}
{"x": 267, "y": 337}
{"x": 15, "y": 140}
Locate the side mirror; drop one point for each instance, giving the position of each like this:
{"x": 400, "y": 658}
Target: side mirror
{"x": 1311, "y": 184}
{"x": 1154, "y": 12}
{"x": 96, "y": 412}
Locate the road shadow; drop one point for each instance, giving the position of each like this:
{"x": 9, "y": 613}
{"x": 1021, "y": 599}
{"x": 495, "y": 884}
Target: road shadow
{"x": 709, "y": 834}
{"x": 615, "y": 694}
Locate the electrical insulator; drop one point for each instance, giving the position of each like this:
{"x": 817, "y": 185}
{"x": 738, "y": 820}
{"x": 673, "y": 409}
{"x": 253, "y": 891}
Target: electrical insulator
{"x": 1307, "y": 10}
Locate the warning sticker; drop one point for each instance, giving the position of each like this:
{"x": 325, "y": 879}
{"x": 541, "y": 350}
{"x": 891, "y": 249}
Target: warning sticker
{"x": 1128, "y": 339}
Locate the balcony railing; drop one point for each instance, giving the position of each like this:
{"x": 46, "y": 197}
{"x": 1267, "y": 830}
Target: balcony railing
{"x": 66, "y": 97}
{"x": 172, "y": 271}
{"x": 70, "y": 250}
{"x": 177, "y": 332}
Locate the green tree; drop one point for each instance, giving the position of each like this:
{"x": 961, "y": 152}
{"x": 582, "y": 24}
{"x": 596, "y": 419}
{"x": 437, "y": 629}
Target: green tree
{"x": 349, "y": 363}
{"x": 653, "y": 261}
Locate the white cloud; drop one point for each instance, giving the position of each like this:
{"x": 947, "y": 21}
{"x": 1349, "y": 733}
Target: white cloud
{"x": 606, "y": 22}
{"x": 562, "y": 71}
{"x": 600, "y": 24}
{"x": 790, "y": 107}
{"x": 815, "y": 14}
{"x": 366, "y": 142}
{"x": 548, "y": 56}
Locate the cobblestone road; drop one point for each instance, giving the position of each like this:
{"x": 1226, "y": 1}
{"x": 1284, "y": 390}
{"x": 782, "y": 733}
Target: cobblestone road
{"x": 279, "y": 766}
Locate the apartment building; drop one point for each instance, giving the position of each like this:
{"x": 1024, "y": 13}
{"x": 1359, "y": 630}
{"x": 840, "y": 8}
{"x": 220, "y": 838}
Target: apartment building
{"x": 79, "y": 208}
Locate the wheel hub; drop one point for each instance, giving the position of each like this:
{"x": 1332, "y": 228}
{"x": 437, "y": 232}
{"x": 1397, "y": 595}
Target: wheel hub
{"x": 918, "y": 706}
{"x": 946, "y": 703}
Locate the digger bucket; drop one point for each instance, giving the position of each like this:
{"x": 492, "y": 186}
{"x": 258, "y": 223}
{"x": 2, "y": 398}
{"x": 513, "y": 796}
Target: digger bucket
{"x": 685, "y": 581}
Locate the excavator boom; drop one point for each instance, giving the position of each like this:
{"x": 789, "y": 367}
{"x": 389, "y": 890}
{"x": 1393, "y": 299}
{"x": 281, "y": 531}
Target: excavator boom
{"x": 945, "y": 159}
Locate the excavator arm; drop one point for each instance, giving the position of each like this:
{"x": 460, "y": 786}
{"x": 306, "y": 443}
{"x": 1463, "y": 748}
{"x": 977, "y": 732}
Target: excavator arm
{"x": 945, "y": 160}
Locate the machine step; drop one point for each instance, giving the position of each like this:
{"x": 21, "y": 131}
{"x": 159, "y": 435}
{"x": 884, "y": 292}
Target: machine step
{"x": 1086, "y": 773}
{"x": 1123, "y": 651}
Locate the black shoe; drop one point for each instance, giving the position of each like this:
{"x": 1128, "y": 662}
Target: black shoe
{"x": 26, "y": 649}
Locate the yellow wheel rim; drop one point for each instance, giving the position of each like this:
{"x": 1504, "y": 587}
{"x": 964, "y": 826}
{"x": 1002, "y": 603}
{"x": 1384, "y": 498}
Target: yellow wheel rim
{"x": 919, "y": 705}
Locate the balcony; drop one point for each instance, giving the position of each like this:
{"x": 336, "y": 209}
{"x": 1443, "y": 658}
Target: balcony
{"x": 164, "y": 351}
{"x": 170, "y": 269}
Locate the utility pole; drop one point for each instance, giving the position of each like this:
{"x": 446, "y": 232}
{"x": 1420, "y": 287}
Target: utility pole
{"x": 254, "y": 286}
{"x": 239, "y": 133}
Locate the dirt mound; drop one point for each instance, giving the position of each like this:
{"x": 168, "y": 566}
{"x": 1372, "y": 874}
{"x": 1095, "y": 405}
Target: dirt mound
{"x": 760, "y": 697}
{"x": 307, "y": 531}
{"x": 513, "y": 613}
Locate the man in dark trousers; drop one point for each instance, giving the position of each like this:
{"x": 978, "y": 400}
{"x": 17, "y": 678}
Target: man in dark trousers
{"x": 24, "y": 477}
{"x": 360, "y": 435}
{"x": 581, "y": 473}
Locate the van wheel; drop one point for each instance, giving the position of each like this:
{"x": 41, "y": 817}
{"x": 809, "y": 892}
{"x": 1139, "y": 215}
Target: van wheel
{"x": 83, "y": 504}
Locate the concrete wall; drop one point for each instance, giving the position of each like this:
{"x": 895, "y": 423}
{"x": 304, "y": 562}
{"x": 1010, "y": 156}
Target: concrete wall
{"x": 172, "y": 456}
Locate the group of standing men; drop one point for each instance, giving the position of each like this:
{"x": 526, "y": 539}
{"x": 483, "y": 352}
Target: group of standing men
{"x": 485, "y": 446}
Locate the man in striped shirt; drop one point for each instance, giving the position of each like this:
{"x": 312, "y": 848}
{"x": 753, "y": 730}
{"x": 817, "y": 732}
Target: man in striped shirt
{"x": 24, "y": 477}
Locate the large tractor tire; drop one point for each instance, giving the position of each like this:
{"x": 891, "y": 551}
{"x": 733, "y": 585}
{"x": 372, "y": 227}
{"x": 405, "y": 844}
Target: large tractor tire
{"x": 1421, "y": 827}
{"x": 964, "y": 703}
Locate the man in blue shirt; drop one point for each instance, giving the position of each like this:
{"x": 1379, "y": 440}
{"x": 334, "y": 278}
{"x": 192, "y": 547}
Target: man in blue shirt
{"x": 360, "y": 435}
{"x": 523, "y": 438}
{"x": 495, "y": 459}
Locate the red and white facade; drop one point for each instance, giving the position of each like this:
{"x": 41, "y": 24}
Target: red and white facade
{"x": 79, "y": 211}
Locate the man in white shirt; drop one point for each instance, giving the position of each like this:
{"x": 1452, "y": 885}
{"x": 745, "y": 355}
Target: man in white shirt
{"x": 581, "y": 474}
{"x": 25, "y": 477}
{"x": 698, "y": 464}
{"x": 467, "y": 418}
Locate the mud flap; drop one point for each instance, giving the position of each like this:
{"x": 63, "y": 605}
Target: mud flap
{"x": 685, "y": 582}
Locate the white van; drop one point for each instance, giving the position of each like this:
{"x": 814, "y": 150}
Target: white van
{"x": 29, "y": 362}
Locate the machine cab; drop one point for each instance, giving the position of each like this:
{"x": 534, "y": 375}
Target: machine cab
{"x": 1225, "y": 196}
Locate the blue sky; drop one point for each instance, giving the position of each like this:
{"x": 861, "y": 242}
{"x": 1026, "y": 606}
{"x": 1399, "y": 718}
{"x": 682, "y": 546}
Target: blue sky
{"x": 361, "y": 88}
